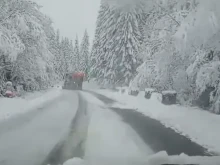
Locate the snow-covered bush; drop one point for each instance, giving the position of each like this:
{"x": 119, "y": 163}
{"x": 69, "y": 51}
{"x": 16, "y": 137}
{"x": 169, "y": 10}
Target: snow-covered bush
{"x": 208, "y": 76}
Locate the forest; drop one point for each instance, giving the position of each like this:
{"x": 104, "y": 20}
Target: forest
{"x": 160, "y": 44}
{"x": 32, "y": 52}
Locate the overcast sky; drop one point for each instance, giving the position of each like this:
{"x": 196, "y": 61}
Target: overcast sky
{"x": 72, "y": 16}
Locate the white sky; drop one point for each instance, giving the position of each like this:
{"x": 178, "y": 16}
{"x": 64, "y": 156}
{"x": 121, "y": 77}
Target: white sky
{"x": 72, "y": 16}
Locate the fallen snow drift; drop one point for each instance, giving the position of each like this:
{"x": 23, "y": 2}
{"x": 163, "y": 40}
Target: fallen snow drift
{"x": 200, "y": 126}
{"x": 9, "y": 107}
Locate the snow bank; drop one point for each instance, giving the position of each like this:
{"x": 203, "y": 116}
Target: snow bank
{"x": 159, "y": 158}
{"x": 9, "y": 107}
{"x": 201, "y": 126}
{"x": 149, "y": 90}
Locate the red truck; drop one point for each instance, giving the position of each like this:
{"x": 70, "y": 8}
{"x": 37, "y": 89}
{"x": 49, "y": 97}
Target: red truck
{"x": 74, "y": 81}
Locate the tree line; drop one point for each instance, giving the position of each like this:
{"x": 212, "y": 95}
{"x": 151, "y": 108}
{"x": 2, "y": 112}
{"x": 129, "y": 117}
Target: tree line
{"x": 166, "y": 45}
{"x": 32, "y": 52}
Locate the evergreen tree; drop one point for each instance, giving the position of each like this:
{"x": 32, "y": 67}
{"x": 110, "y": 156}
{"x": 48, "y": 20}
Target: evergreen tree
{"x": 84, "y": 52}
{"x": 76, "y": 55}
{"x": 58, "y": 38}
{"x": 72, "y": 58}
{"x": 102, "y": 34}
{"x": 117, "y": 42}
{"x": 67, "y": 54}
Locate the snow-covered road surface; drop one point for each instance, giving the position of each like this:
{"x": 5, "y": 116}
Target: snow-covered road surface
{"x": 83, "y": 124}
{"x": 31, "y": 142}
{"x": 70, "y": 126}
{"x": 110, "y": 138}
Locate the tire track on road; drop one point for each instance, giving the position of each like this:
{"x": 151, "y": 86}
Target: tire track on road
{"x": 73, "y": 144}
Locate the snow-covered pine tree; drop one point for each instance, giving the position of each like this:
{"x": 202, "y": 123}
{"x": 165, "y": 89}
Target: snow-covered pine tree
{"x": 76, "y": 56}
{"x": 63, "y": 67}
{"x": 84, "y": 52}
{"x": 117, "y": 41}
{"x": 58, "y": 37}
{"x": 72, "y": 58}
{"x": 55, "y": 44}
{"x": 102, "y": 36}
{"x": 53, "y": 48}
{"x": 122, "y": 58}
{"x": 67, "y": 54}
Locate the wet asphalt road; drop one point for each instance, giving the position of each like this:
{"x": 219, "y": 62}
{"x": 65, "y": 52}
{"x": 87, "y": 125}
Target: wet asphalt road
{"x": 155, "y": 134}
{"x": 158, "y": 137}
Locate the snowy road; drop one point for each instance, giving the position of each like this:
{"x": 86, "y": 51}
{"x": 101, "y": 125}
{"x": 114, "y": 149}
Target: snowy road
{"x": 155, "y": 134}
{"x": 28, "y": 139}
{"x": 83, "y": 125}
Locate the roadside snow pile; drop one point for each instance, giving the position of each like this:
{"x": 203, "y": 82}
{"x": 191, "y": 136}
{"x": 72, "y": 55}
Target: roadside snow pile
{"x": 159, "y": 158}
{"x": 10, "y": 107}
{"x": 200, "y": 126}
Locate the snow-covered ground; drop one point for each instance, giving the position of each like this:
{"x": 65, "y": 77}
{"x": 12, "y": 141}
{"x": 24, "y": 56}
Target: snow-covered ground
{"x": 10, "y": 107}
{"x": 200, "y": 126}
{"x": 111, "y": 141}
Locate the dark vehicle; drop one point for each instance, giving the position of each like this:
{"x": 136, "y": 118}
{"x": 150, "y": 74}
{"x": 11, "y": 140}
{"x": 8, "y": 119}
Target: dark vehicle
{"x": 74, "y": 81}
